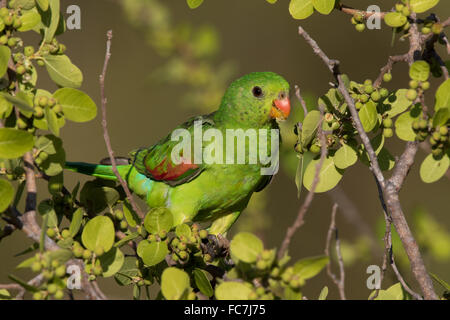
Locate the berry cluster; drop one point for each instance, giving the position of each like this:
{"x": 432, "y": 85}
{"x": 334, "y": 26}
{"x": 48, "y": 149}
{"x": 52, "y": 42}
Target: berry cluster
{"x": 54, "y": 273}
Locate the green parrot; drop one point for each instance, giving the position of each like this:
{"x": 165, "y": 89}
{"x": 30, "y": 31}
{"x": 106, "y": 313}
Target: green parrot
{"x": 215, "y": 192}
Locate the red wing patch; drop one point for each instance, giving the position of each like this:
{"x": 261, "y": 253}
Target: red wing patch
{"x": 166, "y": 171}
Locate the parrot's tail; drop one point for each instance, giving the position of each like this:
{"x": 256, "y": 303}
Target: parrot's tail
{"x": 98, "y": 170}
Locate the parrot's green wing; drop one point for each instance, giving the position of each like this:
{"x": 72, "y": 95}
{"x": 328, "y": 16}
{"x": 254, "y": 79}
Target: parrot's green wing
{"x": 157, "y": 164}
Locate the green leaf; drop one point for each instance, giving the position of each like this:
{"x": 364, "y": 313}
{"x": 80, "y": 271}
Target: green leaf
{"x": 323, "y": 293}
{"x": 75, "y": 224}
{"x": 52, "y": 121}
{"x": 43, "y": 4}
{"x": 23, "y": 284}
{"x": 395, "y": 19}
{"x": 62, "y": 71}
{"x": 403, "y": 124}
{"x": 30, "y": 20}
{"x": 128, "y": 271}
{"x": 50, "y": 19}
{"x": 232, "y": 291}
{"x": 46, "y": 209}
{"x": 98, "y": 232}
{"x": 329, "y": 176}
{"x": 183, "y": 230}
{"x": 111, "y": 262}
{"x": 310, "y": 267}
{"x": 6, "y": 107}
{"x": 324, "y": 6}
{"x": 98, "y": 198}
{"x": 441, "y": 117}
{"x": 6, "y": 194}
{"x": 77, "y": 106}
{"x": 431, "y": 170}
{"x": 301, "y": 9}
{"x": 386, "y": 160}
{"x": 194, "y": 3}
{"x": 444, "y": 284}
{"x": 443, "y": 96}
{"x": 175, "y": 283}
{"x": 394, "y": 292}
{"x": 154, "y": 253}
{"x": 48, "y": 144}
{"x": 419, "y": 70}
{"x": 5, "y": 54}
{"x": 158, "y": 219}
{"x": 396, "y": 103}
{"x": 130, "y": 215}
{"x": 14, "y": 143}
{"x": 202, "y": 282}
{"x": 5, "y": 295}
{"x": 23, "y": 4}
{"x": 345, "y": 157}
{"x": 246, "y": 247}
{"x": 21, "y": 100}
{"x": 309, "y": 127}
{"x": 126, "y": 239}
{"x": 369, "y": 116}
{"x": 420, "y": 6}
{"x": 26, "y": 263}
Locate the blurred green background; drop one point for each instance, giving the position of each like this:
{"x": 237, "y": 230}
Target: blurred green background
{"x": 169, "y": 63}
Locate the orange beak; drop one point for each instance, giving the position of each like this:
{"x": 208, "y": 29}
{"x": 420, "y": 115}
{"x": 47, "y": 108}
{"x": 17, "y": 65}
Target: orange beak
{"x": 280, "y": 109}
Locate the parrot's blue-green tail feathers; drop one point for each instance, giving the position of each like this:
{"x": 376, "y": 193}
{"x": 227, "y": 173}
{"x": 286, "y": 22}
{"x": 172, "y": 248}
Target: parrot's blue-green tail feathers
{"x": 96, "y": 170}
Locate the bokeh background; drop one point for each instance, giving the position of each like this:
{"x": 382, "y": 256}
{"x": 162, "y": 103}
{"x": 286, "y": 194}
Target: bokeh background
{"x": 169, "y": 63}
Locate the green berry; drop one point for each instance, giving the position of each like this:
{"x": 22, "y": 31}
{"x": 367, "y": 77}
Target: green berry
{"x": 261, "y": 265}
{"x": 425, "y": 85}
{"x": 399, "y": 7}
{"x": 384, "y": 92}
{"x": 436, "y": 136}
{"x": 411, "y": 94}
{"x": 183, "y": 255}
{"x": 207, "y": 258}
{"x": 78, "y": 252}
{"x": 58, "y": 108}
{"x": 415, "y": 125}
{"x": 406, "y": 12}
{"x": 38, "y": 112}
{"x": 437, "y": 153}
{"x": 203, "y": 234}
{"x": 48, "y": 274}
{"x": 314, "y": 148}
{"x": 118, "y": 214}
{"x": 123, "y": 225}
{"x": 28, "y": 51}
{"x": 17, "y": 23}
{"x": 336, "y": 125}
{"x": 358, "y": 105}
{"x": 387, "y": 123}
{"x": 43, "y": 101}
{"x": 413, "y": 84}
{"x": 60, "y": 271}
{"x": 51, "y": 233}
{"x": 20, "y": 69}
{"x": 61, "y": 49}
{"x": 87, "y": 254}
{"x": 368, "y": 89}
{"x": 358, "y": 17}
{"x": 51, "y": 102}
{"x": 38, "y": 296}
{"x": 55, "y": 264}
{"x": 375, "y": 96}
{"x": 8, "y": 20}
{"x": 423, "y": 124}
{"x": 275, "y": 273}
{"x": 360, "y": 27}
{"x": 388, "y": 133}
{"x": 387, "y": 77}
{"x": 433, "y": 142}
{"x": 182, "y": 246}
{"x": 368, "y": 82}
{"x": 364, "y": 98}
{"x": 12, "y": 42}
{"x": 3, "y": 40}
{"x": 443, "y": 131}
{"x": 151, "y": 238}
{"x": 437, "y": 28}
{"x": 36, "y": 266}
{"x": 41, "y": 63}
{"x": 97, "y": 270}
{"x": 162, "y": 234}
{"x": 52, "y": 288}
{"x": 295, "y": 283}
{"x": 59, "y": 294}
{"x": 65, "y": 234}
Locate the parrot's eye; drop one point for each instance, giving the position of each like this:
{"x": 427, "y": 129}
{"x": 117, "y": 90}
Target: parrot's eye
{"x": 257, "y": 92}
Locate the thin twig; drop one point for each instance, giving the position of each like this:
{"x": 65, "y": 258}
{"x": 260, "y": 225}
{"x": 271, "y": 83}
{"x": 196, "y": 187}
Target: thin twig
{"x": 105, "y": 129}
{"x": 366, "y": 14}
{"x": 301, "y": 100}
{"x": 299, "y": 221}
{"x": 388, "y": 67}
{"x": 340, "y": 282}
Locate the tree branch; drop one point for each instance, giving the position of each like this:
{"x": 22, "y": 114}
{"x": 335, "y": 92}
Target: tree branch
{"x": 122, "y": 182}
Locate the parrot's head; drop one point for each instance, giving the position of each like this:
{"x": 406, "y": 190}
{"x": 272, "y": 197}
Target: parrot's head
{"x": 256, "y": 99}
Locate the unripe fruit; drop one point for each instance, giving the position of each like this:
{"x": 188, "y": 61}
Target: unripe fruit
{"x": 286, "y": 277}
{"x": 123, "y": 225}
{"x": 55, "y": 264}
{"x": 360, "y": 27}
{"x": 38, "y": 296}
{"x": 20, "y": 69}
{"x": 21, "y": 123}
{"x": 425, "y": 85}
{"x": 58, "y": 108}
{"x": 3, "y": 40}
{"x": 426, "y": 30}
{"x": 182, "y": 246}
{"x": 415, "y": 125}
{"x": 314, "y": 148}
{"x": 4, "y": 12}
{"x": 203, "y": 234}
{"x": 183, "y": 255}
{"x": 36, "y": 266}
{"x": 60, "y": 271}
{"x": 423, "y": 124}
{"x": 28, "y": 51}
{"x": 387, "y": 77}
{"x": 437, "y": 28}
{"x": 51, "y": 233}
{"x": 87, "y": 254}
{"x": 261, "y": 265}
{"x": 43, "y": 101}
{"x": 411, "y": 94}
{"x": 51, "y": 102}
{"x": 433, "y": 142}
{"x": 358, "y": 17}
{"x": 387, "y": 123}
{"x": 59, "y": 294}
{"x": 406, "y": 11}
{"x": 47, "y": 274}
{"x": 65, "y": 233}
{"x": 62, "y": 48}
{"x": 78, "y": 252}
{"x": 364, "y": 98}
{"x": 358, "y": 105}
{"x": 8, "y": 20}
{"x": 207, "y": 258}
{"x": 151, "y": 238}
{"x": 295, "y": 283}
{"x": 368, "y": 82}
{"x": 375, "y": 96}
{"x": 52, "y": 288}
{"x": 388, "y": 133}
{"x": 118, "y": 214}
{"x": 17, "y": 23}
{"x": 97, "y": 270}
{"x": 443, "y": 131}
{"x": 399, "y": 7}
{"x": 336, "y": 125}
{"x": 12, "y": 42}
{"x": 436, "y": 136}
{"x": 413, "y": 84}
{"x": 41, "y": 63}
{"x": 437, "y": 153}
{"x": 162, "y": 234}
{"x": 275, "y": 273}
{"x": 384, "y": 92}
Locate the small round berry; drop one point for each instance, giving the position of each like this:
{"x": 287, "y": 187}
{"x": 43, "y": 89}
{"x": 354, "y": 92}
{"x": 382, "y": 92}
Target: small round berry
{"x": 8, "y": 20}
{"x": 425, "y": 85}
{"x": 413, "y": 84}
{"x": 28, "y": 51}
{"x": 78, "y": 252}
{"x": 387, "y": 77}
{"x": 58, "y": 108}
{"x": 43, "y": 101}
{"x": 399, "y": 7}
{"x": 203, "y": 234}
{"x": 261, "y": 265}
{"x": 411, "y": 94}
{"x": 38, "y": 296}
{"x": 375, "y": 96}
{"x": 51, "y": 233}
{"x": 388, "y": 133}
{"x": 41, "y": 63}
{"x": 36, "y": 266}
{"x": 4, "y": 12}
{"x": 426, "y": 30}
{"x": 97, "y": 270}
{"x": 17, "y": 23}
{"x": 443, "y": 131}
{"x": 3, "y": 39}
{"x": 99, "y": 251}
{"x": 87, "y": 254}
{"x": 48, "y": 274}
{"x": 162, "y": 234}
{"x": 123, "y": 225}
{"x": 437, "y": 28}
{"x": 314, "y": 148}
{"x": 12, "y": 42}
{"x": 60, "y": 271}
{"x": 358, "y": 105}
{"x": 65, "y": 234}
{"x": 406, "y": 12}
{"x": 384, "y": 92}
{"x": 423, "y": 124}
{"x": 183, "y": 255}
{"x": 364, "y": 98}
{"x": 387, "y": 123}
{"x": 59, "y": 294}
{"x": 52, "y": 288}
{"x": 360, "y": 27}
